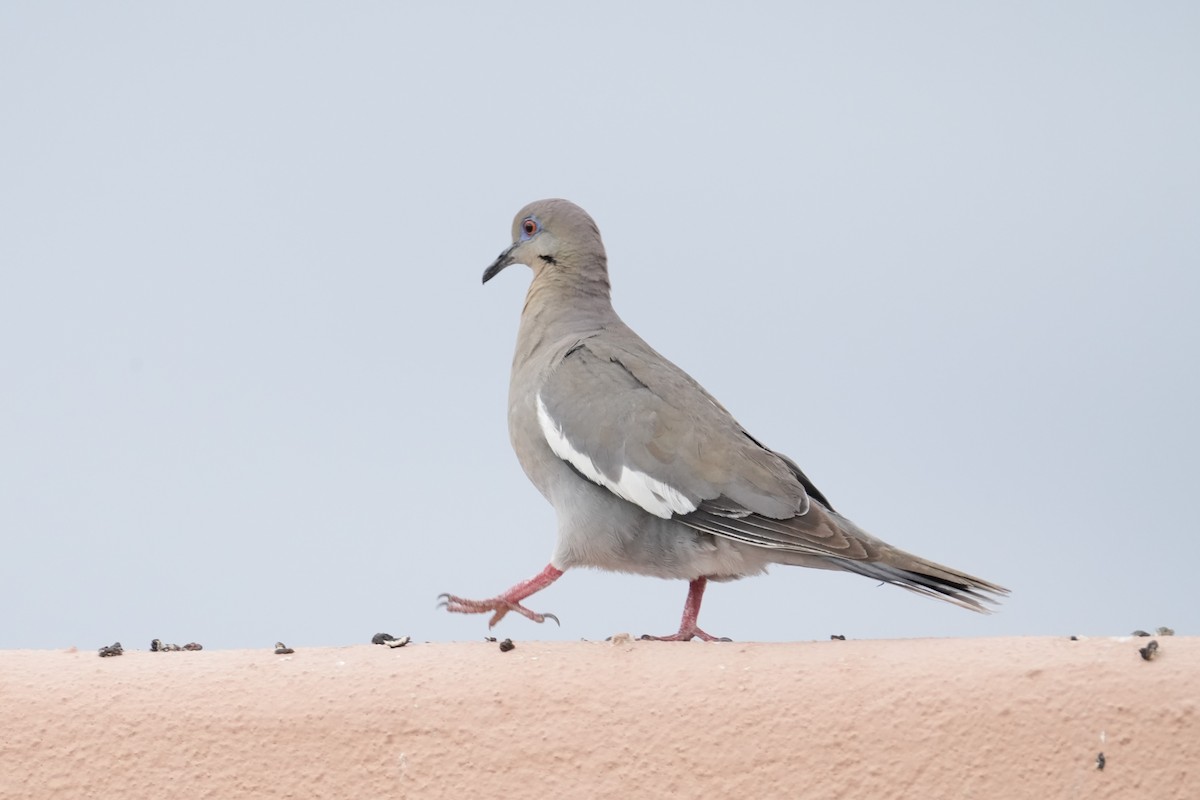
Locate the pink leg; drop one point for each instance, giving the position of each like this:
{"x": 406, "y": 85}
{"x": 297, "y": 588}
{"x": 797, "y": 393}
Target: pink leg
{"x": 691, "y": 611}
{"x": 509, "y": 601}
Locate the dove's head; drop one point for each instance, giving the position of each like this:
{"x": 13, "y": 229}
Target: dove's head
{"x": 555, "y": 238}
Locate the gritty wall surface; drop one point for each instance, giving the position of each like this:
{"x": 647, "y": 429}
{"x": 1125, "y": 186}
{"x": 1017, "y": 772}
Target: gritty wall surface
{"x": 933, "y": 718}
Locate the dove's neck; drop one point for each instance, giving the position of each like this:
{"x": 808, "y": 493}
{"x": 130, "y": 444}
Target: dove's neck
{"x": 560, "y": 305}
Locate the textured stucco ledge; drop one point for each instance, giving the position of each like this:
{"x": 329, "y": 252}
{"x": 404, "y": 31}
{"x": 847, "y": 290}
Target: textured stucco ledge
{"x": 940, "y": 718}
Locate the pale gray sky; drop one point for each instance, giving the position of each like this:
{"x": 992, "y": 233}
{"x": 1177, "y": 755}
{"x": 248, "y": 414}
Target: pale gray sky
{"x": 943, "y": 255}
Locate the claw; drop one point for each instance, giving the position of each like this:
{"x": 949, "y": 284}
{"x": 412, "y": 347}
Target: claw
{"x": 553, "y": 617}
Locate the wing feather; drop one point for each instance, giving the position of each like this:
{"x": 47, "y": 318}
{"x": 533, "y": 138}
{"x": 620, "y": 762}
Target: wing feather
{"x": 642, "y": 428}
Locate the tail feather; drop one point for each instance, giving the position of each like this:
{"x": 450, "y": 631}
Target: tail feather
{"x": 931, "y": 580}
{"x": 823, "y": 539}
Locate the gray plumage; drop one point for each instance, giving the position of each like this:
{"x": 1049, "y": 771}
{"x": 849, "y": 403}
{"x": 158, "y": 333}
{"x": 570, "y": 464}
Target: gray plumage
{"x": 647, "y": 472}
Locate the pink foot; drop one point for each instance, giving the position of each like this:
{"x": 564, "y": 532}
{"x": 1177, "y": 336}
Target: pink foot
{"x": 688, "y": 629}
{"x": 509, "y": 601}
{"x": 686, "y": 635}
{"x": 499, "y": 605}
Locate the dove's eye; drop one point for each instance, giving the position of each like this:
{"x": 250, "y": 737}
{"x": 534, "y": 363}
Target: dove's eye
{"x": 529, "y": 227}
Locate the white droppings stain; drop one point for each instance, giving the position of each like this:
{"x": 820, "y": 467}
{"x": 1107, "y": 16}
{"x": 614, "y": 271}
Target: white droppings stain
{"x": 637, "y": 487}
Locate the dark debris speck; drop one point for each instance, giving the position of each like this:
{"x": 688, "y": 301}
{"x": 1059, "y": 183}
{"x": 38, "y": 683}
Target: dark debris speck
{"x": 1100, "y": 761}
{"x": 506, "y": 645}
{"x": 113, "y": 649}
{"x": 1149, "y": 651}
{"x": 837, "y": 637}
{"x": 282, "y": 649}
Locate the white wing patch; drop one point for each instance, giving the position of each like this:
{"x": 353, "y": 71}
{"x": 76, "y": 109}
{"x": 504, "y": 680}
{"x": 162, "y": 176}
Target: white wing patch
{"x": 653, "y": 495}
